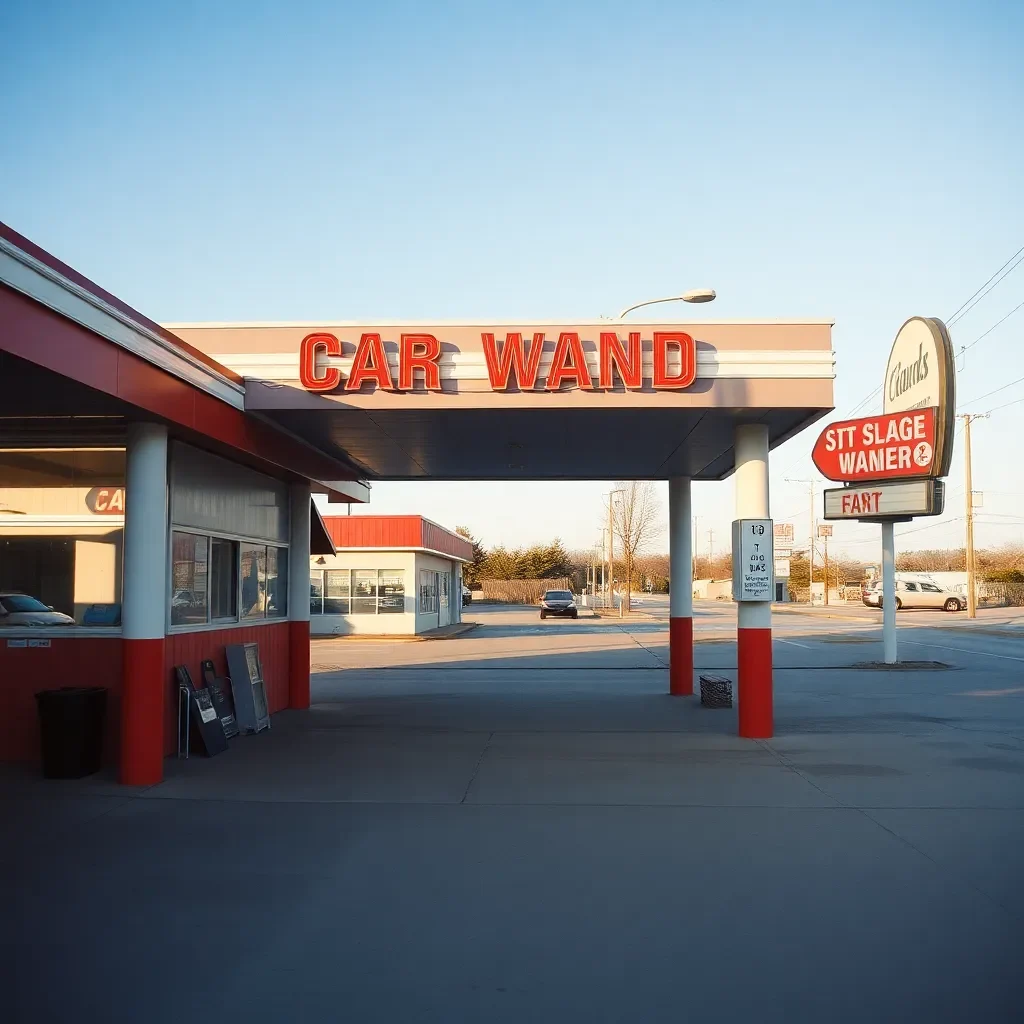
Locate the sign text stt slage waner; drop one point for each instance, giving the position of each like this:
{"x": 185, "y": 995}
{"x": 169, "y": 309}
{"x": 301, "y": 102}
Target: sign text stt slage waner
{"x": 898, "y": 445}
{"x": 511, "y": 362}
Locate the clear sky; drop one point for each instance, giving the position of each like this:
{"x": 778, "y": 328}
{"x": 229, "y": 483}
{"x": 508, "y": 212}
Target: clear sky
{"x": 272, "y": 161}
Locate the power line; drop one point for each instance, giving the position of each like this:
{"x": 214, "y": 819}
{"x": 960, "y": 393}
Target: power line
{"x": 987, "y": 287}
{"x": 1006, "y": 405}
{"x": 997, "y": 390}
{"x": 967, "y": 348}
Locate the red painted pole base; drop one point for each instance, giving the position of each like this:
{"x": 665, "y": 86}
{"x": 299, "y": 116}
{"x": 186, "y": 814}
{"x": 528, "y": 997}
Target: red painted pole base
{"x": 680, "y": 657}
{"x": 298, "y": 665}
{"x": 143, "y": 697}
{"x": 756, "y": 716}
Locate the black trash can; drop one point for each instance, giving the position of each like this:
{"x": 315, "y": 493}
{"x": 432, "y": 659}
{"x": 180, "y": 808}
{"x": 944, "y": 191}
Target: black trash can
{"x": 71, "y": 729}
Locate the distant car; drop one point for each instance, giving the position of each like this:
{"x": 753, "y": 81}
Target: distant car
{"x": 467, "y": 595}
{"x": 918, "y": 594}
{"x": 872, "y": 594}
{"x": 22, "y": 610}
{"x": 558, "y": 602}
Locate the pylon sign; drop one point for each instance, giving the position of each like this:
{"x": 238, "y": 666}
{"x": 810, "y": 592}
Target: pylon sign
{"x": 911, "y": 441}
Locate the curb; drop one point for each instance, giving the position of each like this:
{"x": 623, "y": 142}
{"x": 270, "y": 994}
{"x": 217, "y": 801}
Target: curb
{"x": 397, "y": 638}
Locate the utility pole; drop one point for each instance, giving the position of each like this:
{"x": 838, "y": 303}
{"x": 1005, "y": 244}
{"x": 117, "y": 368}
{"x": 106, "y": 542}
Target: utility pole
{"x": 810, "y": 577}
{"x": 972, "y": 596}
{"x": 711, "y": 552}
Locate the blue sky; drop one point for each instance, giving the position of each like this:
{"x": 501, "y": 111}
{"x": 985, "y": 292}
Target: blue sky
{"x": 405, "y": 160}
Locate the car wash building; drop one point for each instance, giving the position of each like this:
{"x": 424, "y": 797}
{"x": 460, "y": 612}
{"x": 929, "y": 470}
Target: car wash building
{"x": 217, "y": 435}
{"x": 389, "y": 576}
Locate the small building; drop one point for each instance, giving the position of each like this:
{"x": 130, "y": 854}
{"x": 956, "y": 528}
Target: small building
{"x": 390, "y": 575}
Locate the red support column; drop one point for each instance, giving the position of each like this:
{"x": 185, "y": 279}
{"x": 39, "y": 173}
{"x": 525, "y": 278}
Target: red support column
{"x": 756, "y": 717}
{"x": 298, "y": 599}
{"x": 143, "y": 694}
{"x": 680, "y": 598}
{"x": 298, "y": 664}
{"x": 144, "y": 606}
{"x": 753, "y": 618}
{"x": 680, "y": 657}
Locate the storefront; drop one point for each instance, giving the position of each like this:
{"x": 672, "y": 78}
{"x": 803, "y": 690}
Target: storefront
{"x": 146, "y": 520}
{"x": 390, "y": 575}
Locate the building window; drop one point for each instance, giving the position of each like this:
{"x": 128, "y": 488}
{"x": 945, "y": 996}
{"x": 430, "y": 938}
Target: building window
{"x": 223, "y": 579}
{"x": 254, "y": 581}
{"x": 336, "y": 592}
{"x": 390, "y": 591}
{"x": 277, "y": 583}
{"x": 217, "y": 580}
{"x": 189, "y": 579}
{"x": 428, "y": 590}
{"x": 364, "y": 592}
{"x": 316, "y": 593}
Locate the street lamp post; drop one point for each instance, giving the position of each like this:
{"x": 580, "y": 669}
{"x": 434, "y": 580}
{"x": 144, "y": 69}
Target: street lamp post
{"x": 697, "y": 295}
{"x": 611, "y": 542}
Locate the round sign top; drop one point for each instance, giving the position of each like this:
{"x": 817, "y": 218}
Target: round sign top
{"x": 921, "y": 374}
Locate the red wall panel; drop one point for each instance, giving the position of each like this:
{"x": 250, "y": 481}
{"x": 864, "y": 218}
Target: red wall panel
{"x": 68, "y": 661}
{"x": 191, "y": 649}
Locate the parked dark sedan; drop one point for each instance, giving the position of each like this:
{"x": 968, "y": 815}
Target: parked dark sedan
{"x": 558, "y": 602}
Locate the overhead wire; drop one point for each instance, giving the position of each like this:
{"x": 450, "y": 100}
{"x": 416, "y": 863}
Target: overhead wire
{"x": 1016, "y": 259}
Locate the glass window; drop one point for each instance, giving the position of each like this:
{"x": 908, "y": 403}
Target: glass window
{"x": 337, "y": 592}
{"x": 277, "y": 583}
{"x": 223, "y": 579}
{"x": 316, "y": 593}
{"x": 428, "y": 591}
{"x": 364, "y": 592}
{"x": 189, "y": 575}
{"x": 391, "y": 591}
{"x": 912, "y": 587}
{"x": 254, "y": 581}
{"x": 930, "y": 588}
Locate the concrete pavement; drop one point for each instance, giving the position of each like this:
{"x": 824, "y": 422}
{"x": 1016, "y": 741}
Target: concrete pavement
{"x": 520, "y": 824}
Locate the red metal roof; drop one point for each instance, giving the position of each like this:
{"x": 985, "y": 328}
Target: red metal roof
{"x": 404, "y": 533}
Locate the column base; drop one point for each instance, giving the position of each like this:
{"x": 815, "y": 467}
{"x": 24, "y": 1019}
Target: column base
{"x": 756, "y": 715}
{"x": 143, "y": 697}
{"x": 298, "y": 665}
{"x": 680, "y": 656}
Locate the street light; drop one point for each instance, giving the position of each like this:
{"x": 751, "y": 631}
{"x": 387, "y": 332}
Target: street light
{"x": 697, "y": 295}
{"x": 611, "y": 542}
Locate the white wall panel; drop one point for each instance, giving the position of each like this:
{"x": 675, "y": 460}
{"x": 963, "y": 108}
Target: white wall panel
{"x": 213, "y": 494}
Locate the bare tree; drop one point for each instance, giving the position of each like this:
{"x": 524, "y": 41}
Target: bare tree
{"x": 636, "y": 522}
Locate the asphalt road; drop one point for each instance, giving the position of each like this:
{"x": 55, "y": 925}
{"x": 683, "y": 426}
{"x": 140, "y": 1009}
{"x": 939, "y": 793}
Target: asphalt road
{"x": 520, "y": 824}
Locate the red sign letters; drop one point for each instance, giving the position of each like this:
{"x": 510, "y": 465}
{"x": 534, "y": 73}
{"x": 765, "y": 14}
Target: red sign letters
{"x": 900, "y": 444}
{"x": 512, "y": 363}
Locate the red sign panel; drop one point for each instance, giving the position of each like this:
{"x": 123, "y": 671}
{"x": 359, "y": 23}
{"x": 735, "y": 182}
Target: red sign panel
{"x": 899, "y": 444}
{"x": 106, "y": 501}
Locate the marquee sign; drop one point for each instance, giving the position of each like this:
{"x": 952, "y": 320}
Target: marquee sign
{"x": 893, "y": 499}
{"x": 878, "y": 447}
{"x": 512, "y": 362}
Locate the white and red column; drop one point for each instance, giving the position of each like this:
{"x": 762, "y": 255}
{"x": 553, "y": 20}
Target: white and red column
{"x": 144, "y": 607}
{"x": 298, "y": 598}
{"x": 754, "y": 618}
{"x": 680, "y": 591}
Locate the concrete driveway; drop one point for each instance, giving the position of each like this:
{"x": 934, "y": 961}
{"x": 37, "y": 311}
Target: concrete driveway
{"x": 519, "y": 824}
